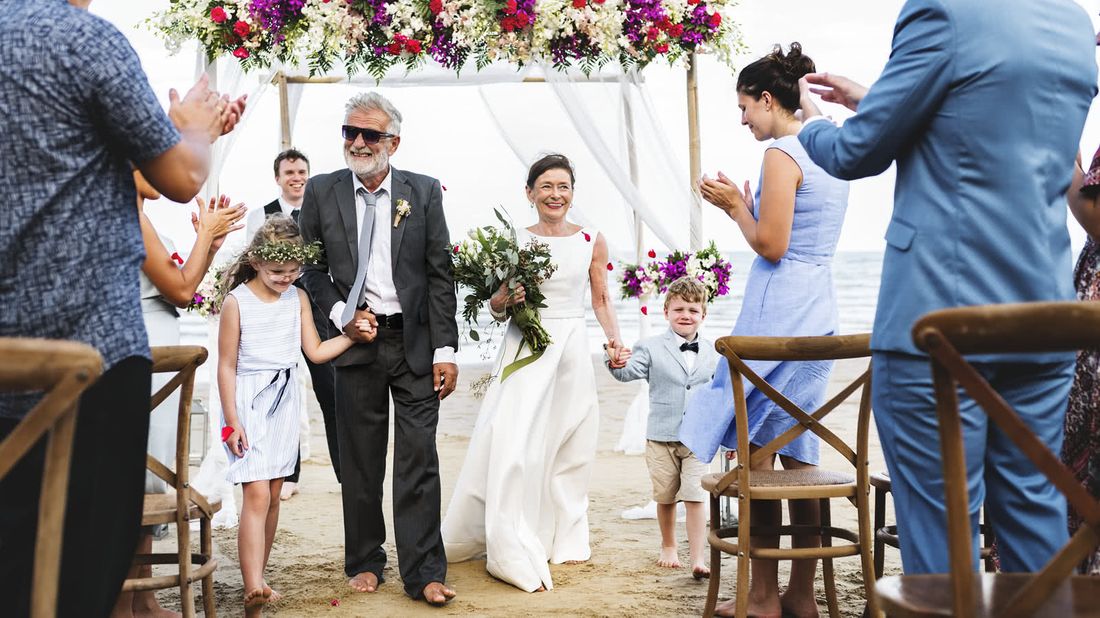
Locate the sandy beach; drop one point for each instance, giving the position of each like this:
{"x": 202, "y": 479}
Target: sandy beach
{"x": 621, "y": 579}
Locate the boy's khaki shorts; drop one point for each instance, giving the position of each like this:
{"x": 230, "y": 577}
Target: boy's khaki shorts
{"x": 675, "y": 472}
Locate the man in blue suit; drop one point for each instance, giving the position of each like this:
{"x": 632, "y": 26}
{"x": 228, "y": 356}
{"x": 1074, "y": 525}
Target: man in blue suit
{"x": 982, "y": 106}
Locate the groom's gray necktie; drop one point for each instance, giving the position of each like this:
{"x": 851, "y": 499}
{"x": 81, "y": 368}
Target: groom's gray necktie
{"x": 365, "y": 236}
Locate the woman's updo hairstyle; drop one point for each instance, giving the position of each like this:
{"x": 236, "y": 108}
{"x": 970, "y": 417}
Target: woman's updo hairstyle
{"x": 777, "y": 73}
{"x": 547, "y": 163}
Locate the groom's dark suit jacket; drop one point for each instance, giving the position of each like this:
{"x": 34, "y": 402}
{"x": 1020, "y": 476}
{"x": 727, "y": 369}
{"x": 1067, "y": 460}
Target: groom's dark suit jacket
{"x": 421, "y": 260}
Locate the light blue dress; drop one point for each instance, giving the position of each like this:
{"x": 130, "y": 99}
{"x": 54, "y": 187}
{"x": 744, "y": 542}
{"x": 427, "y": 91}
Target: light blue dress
{"x": 791, "y": 297}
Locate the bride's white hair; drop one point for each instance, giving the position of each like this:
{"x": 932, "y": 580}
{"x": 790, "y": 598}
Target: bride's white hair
{"x": 366, "y": 101}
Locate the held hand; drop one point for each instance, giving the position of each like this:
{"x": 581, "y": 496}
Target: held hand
{"x": 617, "y": 355}
{"x": 722, "y": 193}
{"x": 217, "y": 219}
{"x": 445, "y": 378}
{"x": 200, "y": 110}
{"x": 834, "y": 89}
{"x": 237, "y": 441}
{"x": 363, "y": 327}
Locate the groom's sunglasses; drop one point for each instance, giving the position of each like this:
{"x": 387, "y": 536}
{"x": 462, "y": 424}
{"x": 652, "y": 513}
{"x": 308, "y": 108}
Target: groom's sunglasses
{"x": 370, "y": 136}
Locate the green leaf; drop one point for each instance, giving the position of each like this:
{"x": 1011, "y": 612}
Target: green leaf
{"x": 474, "y": 335}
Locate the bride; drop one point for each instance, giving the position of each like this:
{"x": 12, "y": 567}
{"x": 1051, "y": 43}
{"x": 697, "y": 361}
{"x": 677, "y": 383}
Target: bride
{"x": 522, "y": 496}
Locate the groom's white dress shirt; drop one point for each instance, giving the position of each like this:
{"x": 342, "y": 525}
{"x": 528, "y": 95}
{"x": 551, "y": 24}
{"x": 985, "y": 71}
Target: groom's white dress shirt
{"x": 379, "y": 291}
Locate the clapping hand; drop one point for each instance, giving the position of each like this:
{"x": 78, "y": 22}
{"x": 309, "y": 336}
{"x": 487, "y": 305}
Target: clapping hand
{"x": 832, "y": 88}
{"x": 723, "y": 193}
{"x": 217, "y": 219}
{"x": 617, "y": 354}
{"x": 204, "y": 110}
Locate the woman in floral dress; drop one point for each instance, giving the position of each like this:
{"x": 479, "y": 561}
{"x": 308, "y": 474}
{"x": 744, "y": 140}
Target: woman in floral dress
{"x": 1081, "y": 447}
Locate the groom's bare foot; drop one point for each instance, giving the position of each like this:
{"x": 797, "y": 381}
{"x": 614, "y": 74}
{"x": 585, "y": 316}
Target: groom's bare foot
{"x": 436, "y": 593}
{"x": 364, "y": 582}
{"x": 668, "y": 558}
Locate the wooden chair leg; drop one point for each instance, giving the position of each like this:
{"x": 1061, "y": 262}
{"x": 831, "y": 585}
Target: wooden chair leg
{"x": 183, "y": 542}
{"x": 51, "y": 516}
{"x": 880, "y": 523}
{"x": 206, "y": 547}
{"x": 715, "y": 559}
{"x": 744, "y": 552}
{"x": 827, "y": 563}
{"x": 867, "y": 536}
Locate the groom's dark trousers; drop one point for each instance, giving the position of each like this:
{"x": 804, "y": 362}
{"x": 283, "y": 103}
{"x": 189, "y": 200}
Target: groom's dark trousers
{"x": 362, "y": 414}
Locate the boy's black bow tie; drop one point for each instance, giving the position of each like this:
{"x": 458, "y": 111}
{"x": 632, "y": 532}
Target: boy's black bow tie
{"x": 691, "y": 347}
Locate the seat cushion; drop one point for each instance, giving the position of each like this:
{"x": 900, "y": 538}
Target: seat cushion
{"x": 805, "y": 477}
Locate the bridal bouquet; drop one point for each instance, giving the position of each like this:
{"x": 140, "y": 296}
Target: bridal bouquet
{"x": 492, "y": 256}
{"x": 707, "y": 265}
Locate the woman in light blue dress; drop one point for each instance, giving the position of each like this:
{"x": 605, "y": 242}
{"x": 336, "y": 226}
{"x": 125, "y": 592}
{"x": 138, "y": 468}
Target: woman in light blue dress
{"x": 793, "y": 224}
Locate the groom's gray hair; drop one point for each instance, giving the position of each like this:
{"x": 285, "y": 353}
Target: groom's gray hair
{"x": 366, "y": 101}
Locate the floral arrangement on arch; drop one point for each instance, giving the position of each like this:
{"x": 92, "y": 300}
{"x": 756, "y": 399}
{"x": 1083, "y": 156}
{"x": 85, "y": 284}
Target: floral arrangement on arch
{"x": 653, "y": 277}
{"x": 374, "y": 35}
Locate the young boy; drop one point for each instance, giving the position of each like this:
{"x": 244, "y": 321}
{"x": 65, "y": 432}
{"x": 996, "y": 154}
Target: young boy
{"x": 673, "y": 363}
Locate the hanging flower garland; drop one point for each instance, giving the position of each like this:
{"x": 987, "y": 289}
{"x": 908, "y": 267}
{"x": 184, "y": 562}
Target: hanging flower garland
{"x": 375, "y": 35}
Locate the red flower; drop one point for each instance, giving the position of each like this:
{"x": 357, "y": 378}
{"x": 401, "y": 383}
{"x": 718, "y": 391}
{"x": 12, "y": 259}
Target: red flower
{"x": 610, "y": 267}
{"x": 522, "y": 19}
{"x": 662, "y": 48}
{"x": 599, "y": 1}
{"x": 455, "y": 250}
{"x": 694, "y": 1}
{"x": 644, "y": 310}
{"x": 413, "y": 47}
{"x": 242, "y": 29}
{"x": 226, "y": 432}
{"x": 177, "y": 258}
{"x": 716, "y": 20}
{"x": 652, "y": 34}
{"x": 676, "y": 30}
{"x": 394, "y": 48}
{"x": 334, "y": 602}
{"x": 510, "y": 7}
{"x": 435, "y": 6}
{"x": 508, "y": 24}
{"x": 400, "y": 38}
{"x": 652, "y": 253}
{"x": 217, "y": 15}
{"x": 241, "y": 53}
{"x": 664, "y": 24}
{"x": 579, "y": 4}
{"x": 587, "y": 238}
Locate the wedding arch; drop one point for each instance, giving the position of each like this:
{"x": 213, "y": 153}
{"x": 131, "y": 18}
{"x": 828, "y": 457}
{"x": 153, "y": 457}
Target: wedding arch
{"x": 564, "y": 45}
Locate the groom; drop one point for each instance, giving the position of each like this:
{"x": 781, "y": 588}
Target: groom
{"x": 385, "y": 259}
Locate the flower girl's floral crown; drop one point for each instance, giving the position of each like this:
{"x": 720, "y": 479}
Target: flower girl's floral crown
{"x": 284, "y": 251}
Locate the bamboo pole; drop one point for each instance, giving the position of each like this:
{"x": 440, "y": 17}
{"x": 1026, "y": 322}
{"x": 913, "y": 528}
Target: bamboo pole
{"x": 284, "y": 112}
{"x": 695, "y": 212}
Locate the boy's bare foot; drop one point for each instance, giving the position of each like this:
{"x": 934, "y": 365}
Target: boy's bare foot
{"x": 668, "y": 558}
{"x": 700, "y": 571}
{"x": 271, "y": 594}
{"x": 364, "y": 582}
{"x": 435, "y": 593}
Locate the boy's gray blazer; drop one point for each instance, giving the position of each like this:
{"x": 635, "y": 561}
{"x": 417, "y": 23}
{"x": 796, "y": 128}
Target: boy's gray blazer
{"x": 658, "y": 360}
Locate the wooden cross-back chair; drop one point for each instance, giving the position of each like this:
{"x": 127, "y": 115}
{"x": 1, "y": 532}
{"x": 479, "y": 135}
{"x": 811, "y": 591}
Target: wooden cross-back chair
{"x": 746, "y": 485}
{"x": 1020, "y": 328}
{"x": 62, "y": 370}
{"x": 187, "y": 503}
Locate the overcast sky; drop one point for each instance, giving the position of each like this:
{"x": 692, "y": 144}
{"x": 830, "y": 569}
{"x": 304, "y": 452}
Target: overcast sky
{"x": 448, "y": 132}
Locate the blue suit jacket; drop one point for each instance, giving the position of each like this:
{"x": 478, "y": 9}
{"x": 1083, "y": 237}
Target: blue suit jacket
{"x": 982, "y": 105}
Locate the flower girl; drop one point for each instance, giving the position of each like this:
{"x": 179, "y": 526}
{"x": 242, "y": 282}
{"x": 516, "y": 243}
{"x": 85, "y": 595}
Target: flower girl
{"x": 265, "y": 320}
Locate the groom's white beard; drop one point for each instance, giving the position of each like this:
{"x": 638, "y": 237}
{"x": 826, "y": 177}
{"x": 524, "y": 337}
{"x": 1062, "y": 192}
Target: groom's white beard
{"x": 375, "y": 165}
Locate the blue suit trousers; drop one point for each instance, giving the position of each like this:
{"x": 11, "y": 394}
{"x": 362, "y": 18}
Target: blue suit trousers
{"x": 1027, "y": 512}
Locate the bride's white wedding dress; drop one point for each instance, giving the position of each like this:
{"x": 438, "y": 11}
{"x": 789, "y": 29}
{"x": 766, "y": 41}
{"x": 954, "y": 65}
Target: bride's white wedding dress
{"x": 521, "y": 498}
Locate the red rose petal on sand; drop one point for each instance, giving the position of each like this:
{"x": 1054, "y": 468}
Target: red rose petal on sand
{"x": 335, "y": 602}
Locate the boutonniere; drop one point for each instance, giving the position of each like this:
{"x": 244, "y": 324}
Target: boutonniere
{"x": 403, "y": 210}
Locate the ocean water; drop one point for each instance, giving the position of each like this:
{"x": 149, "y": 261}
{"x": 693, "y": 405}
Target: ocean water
{"x": 855, "y": 274}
